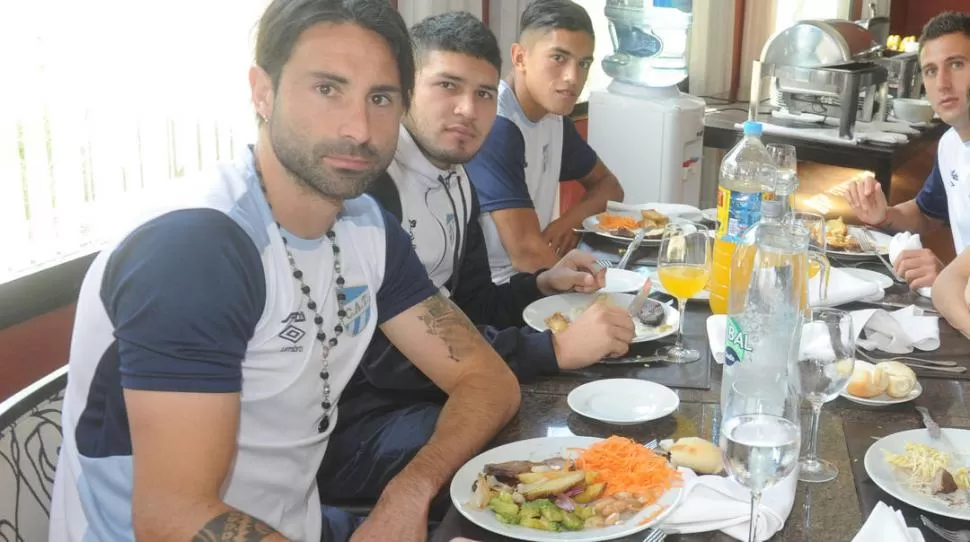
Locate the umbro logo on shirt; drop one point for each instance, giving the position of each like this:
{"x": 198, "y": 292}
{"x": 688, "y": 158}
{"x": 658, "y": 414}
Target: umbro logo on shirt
{"x": 292, "y": 333}
{"x": 954, "y": 177}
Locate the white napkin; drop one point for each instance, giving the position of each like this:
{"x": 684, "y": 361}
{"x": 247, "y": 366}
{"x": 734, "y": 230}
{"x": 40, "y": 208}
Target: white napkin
{"x": 717, "y": 334}
{"x": 896, "y": 332}
{"x": 717, "y": 503}
{"x": 885, "y": 524}
{"x": 843, "y": 288}
{"x": 907, "y": 241}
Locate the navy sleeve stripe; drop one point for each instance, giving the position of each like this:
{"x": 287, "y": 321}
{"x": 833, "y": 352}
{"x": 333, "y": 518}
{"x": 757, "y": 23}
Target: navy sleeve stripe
{"x": 498, "y": 169}
{"x": 406, "y": 281}
{"x": 578, "y": 158}
{"x": 931, "y": 199}
{"x": 184, "y": 292}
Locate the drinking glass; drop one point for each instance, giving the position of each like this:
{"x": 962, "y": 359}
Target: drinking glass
{"x": 817, "y": 245}
{"x": 683, "y": 265}
{"x": 822, "y": 369}
{"x": 786, "y": 180}
{"x": 760, "y": 437}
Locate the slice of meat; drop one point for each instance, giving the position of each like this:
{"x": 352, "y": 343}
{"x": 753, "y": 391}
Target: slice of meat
{"x": 943, "y": 482}
{"x": 508, "y": 469}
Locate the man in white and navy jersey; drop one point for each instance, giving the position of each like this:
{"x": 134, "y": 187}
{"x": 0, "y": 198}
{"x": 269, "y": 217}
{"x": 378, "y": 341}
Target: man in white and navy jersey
{"x": 214, "y": 340}
{"x": 390, "y": 409}
{"x": 944, "y": 55}
{"x": 533, "y": 145}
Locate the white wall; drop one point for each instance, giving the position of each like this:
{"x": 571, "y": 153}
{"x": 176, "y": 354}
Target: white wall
{"x": 414, "y": 10}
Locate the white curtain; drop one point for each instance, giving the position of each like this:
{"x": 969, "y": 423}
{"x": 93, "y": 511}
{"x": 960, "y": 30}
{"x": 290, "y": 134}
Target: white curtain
{"x": 414, "y": 10}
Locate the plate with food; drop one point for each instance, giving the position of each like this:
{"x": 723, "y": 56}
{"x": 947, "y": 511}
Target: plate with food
{"x": 577, "y": 489}
{"x": 623, "y": 225}
{"x": 885, "y": 383}
{"x": 623, "y": 401}
{"x": 558, "y": 312}
{"x": 840, "y": 240}
{"x": 918, "y": 470}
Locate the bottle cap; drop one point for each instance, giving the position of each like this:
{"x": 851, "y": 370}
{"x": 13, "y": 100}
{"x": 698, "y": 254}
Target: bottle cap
{"x": 753, "y": 128}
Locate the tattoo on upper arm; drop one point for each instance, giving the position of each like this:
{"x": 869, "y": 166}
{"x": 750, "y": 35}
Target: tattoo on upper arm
{"x": 446, "y": 321}
{"x": 234, "y": 526}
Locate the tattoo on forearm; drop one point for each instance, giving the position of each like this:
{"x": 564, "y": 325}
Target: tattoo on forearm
{"x": 234, "y": 526}
{"x": 446, "y": 321}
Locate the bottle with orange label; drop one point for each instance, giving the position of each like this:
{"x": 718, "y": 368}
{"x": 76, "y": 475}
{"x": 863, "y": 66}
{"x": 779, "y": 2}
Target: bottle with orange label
{"x": 745, "y": 172}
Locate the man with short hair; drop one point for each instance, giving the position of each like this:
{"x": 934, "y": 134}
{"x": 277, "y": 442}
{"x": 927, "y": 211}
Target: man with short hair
{"x": 533, "y": 145}
{"x": 213, "y": 342}
{"x": 391, "y": 409}
{"x": 944, "y": 55}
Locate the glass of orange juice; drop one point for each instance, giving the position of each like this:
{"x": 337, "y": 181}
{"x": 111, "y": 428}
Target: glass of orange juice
{"x": 817, "y": 261}
{"x": 684, "y": 265}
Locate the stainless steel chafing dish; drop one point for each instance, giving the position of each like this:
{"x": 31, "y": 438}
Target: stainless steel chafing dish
{"x": 823, "y": 67}
{"x": 905, "y": 77}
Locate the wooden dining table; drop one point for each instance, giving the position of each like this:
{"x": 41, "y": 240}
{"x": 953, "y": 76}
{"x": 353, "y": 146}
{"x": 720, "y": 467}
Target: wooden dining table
{"x": 831, "y": 511}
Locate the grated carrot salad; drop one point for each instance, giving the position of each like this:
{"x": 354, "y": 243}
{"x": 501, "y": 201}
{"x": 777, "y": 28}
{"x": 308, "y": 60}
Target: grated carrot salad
{"x": 627, "y": 466}
{"x": 611, "y": 222}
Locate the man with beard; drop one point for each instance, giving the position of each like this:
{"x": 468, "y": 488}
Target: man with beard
{"x": 391, "y": 409}
{"x": 213, "y": 341}
{"x": 534, "y": 145}
{"x": 944, "y": 55}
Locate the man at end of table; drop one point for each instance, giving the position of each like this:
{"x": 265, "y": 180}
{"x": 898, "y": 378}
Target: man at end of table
{"x": 213, "y": 341}
{"x": 533, "y": 145}
{"x": 944, "y": 56}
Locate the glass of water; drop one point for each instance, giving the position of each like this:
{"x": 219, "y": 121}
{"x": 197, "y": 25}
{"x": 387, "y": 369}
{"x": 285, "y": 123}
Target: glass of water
{"x": 760, "y": 437}
{"x": 822, "y": 369}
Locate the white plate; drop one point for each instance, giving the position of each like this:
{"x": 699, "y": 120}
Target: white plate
{"x": 622, "y": 280}
{"x": 676, "y": 212}
{"x": 623, "y": 401}
{"x": 539, "y": 449}
{"x": 869, "y": 276}
{"x": 573, "y": 304}
{"x": 882, "y": 245}
{"x": 883, "y": 474}
{"x": 882, "y": 399}
{"x": 703, "y": 295}
{"x": 710, "y": 214}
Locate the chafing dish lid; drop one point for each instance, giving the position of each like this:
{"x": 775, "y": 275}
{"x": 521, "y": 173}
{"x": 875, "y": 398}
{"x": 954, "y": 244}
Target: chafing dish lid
{"x": 814, "y": 43}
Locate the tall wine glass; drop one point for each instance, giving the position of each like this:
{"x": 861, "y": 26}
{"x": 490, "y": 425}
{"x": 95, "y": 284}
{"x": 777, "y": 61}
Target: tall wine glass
{"x": 822, "y": 369}
{"x": 683, "y": 265}
{"x": 760, "y": 437}
{"x": 786, "y": 180}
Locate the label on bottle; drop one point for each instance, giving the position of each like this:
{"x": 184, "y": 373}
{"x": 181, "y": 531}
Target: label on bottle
{"x": 736, "y": 347}
{"x": 736, "y": 212}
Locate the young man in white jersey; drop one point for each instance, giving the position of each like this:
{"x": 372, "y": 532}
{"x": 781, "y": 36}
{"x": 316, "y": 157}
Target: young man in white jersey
{"x": 213, "y": 341}
{"x": 391, "y": 409}
{"x": 944, "y": 54}
{"x": 533, "y": 145}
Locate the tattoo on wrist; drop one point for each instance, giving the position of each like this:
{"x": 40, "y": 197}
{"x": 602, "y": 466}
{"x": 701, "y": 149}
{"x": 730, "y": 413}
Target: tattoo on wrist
{"x": 445, "y": 321}
{"x": 234, "y": 526}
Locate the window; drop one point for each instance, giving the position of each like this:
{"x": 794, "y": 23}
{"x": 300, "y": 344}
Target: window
{"x": 113, "y": 98}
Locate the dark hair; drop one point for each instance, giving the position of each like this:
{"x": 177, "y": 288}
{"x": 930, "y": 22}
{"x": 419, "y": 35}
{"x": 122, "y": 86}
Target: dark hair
{"x": 285, "y": 20}
{"x": 555, "y": 15}
{"x": 945, "y": 23}
{"x": 456, "y": 32}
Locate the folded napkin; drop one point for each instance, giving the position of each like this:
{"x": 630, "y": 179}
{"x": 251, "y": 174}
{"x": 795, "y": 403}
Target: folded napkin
{"x": 717, "y": 335}
{"x": 843, "y": 288}
{"x": 713, "y": 503}
{"x": 907, "y": 241}
{"x": 896, "y": 332}
{"x": 885, "y": 524}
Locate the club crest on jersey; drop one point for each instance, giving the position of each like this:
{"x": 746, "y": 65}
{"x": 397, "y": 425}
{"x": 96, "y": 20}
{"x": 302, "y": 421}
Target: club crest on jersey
{"x": 357, "y": 304}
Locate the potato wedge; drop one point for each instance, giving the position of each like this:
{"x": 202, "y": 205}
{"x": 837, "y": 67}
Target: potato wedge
{"x": 590, "y": 494}
{"x": 555, "y": 486}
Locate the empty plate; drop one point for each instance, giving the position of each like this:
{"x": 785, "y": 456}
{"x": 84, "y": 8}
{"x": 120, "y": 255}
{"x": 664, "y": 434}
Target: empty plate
{"x": 623, "y": 401}
{"x": 620, "y": 281}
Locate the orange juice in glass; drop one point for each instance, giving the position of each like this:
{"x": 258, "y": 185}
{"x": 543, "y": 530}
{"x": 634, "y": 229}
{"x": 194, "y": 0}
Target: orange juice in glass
{"x": 683, "y": 281}
{"x": 683, "y": 266}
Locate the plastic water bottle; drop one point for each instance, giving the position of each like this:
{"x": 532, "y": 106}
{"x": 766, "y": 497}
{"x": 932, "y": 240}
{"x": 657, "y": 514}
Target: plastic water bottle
{"x": 745, "y": 172}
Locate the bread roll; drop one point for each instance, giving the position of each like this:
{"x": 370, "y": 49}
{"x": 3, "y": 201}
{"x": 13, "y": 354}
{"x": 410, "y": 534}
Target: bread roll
{"x": 697, "y": 454}
{"x": 868, "y": 383}
{"x": 902, "y": 379}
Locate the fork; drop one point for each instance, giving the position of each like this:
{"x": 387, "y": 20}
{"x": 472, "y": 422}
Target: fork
{"x": 600, "y": 265}
{"x": 869, "y": 246}
{"x": 652, "y": 445}
{"x": 655, "y": 535}
{"x": 946, "y": 534}
{"x": 874, "y": 359}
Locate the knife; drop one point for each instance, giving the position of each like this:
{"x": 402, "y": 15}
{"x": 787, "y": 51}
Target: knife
{"x": 641, "y": 298}
{"x": 634, "y": 245}
{"x": 899, "y": 305}
{"x": 936, "y": 434}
